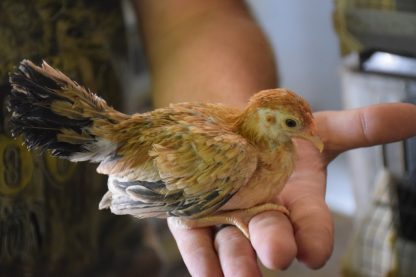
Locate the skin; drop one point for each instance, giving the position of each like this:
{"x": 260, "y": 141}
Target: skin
{"x": 208, "y": 51}
{"x": 213, "y": 51}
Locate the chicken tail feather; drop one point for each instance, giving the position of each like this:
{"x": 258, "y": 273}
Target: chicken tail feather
{"x": 54, "y": 113}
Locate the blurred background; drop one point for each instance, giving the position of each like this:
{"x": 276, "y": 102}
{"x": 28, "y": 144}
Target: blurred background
{"x": 337, "y": 54}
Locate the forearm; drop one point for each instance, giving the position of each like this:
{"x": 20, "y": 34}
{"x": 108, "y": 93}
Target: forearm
{"x": 200, "y": 50}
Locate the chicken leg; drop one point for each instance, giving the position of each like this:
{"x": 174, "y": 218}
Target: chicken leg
{"x": 238, "y": 218}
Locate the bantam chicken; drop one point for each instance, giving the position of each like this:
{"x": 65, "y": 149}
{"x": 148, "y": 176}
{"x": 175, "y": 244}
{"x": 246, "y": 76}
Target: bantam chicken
{"x": 203, "y": 164}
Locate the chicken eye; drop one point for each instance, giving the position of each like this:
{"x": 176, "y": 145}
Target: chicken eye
{"x": 290, "y": 123}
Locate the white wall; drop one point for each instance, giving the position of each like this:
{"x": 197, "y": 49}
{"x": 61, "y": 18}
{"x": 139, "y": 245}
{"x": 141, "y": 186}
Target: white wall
{"x": 302, "y": 35}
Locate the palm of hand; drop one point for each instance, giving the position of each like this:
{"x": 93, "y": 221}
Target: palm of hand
{"x": 308, "y": 235}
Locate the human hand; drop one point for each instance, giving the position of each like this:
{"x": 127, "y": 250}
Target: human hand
{"x": 308, "y": 235}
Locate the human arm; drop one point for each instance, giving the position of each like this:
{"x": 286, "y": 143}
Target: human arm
{"x": 209, "y": 51}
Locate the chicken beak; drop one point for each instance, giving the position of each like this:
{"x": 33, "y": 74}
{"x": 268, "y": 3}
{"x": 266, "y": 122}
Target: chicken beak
{"x": 313, "y": 138}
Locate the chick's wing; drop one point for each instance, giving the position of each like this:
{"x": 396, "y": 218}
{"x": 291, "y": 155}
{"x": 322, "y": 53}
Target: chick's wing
{"x": 186, "y": 164}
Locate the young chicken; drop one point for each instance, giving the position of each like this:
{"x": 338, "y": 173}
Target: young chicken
{"x": 204, "y": 164}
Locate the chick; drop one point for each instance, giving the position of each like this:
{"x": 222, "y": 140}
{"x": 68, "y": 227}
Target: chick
{"x": 203, "y": 164}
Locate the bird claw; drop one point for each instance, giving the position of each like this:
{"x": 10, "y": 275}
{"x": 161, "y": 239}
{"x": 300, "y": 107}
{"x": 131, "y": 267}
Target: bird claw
{"x": 238, "y": 218}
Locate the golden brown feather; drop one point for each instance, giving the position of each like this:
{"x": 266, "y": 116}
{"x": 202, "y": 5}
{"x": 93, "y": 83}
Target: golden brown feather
{"x": 204, "y": 164}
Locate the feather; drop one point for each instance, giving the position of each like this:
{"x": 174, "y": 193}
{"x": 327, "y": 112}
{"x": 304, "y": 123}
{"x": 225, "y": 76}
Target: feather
{"x": 188, "y": 160}
{"x": 55, "y": 113}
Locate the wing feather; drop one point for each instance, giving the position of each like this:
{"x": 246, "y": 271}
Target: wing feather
{"x": 196, "y": 159}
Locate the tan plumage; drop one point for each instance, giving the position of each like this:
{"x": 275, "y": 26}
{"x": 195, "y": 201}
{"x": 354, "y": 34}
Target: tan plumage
{"x": 205, "y": 164}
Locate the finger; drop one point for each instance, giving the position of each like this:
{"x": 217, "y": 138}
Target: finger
{"x": 197, "y": 250}
{"x": 310, "y": 216}
{"x": 236, "y": 255}
{"x": 313, "y": 226}
{"x": 272, "y": 237}
{"x": 377, "y": 124}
